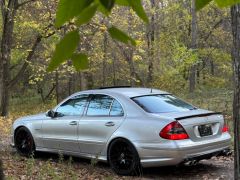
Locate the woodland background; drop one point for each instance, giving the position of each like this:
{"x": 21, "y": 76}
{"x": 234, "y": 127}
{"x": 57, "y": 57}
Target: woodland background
{"x": 174, "y": 52}
{"x": 180, "y": 50}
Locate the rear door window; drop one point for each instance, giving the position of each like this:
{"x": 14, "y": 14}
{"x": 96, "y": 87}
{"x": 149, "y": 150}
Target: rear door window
{"x": 104, "y": 105}
{"x": 99, "y": 105}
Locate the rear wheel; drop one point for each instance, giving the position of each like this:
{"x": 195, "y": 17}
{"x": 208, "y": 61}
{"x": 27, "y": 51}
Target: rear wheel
{"x": 123, "y": 158}
{"x": 24, "y": 142}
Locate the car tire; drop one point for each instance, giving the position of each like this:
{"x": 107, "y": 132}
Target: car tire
{"x": 24, "y": 142}
{"x": 123, "y": 158}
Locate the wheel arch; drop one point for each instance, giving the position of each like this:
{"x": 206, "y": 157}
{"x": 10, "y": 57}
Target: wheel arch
{"x": 26, "y": 128}
{"x": 118, "y": 138}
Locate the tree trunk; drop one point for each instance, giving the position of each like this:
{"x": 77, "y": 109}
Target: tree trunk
{"x": 150, "y": 40}
{"x": 235, "y": 14}
{"x": 6, "y": 45}
{"x": 83, "y": 83}
{"x": 104, "y": 63}
{"x": 114, "y": 69}
{"x": 192, "y": 77}
{"x": 1, "y": 171}
{"x": 70, "y": 84}
{"x": 57, "y": 87}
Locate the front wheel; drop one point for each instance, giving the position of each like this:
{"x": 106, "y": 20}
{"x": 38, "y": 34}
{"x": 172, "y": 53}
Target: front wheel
{"x": 24, "y": 142}
{"x": 123, "y": 158}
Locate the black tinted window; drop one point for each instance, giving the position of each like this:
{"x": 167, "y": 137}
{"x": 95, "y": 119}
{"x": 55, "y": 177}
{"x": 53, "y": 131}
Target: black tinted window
{"x": 73, "y": 106}
{"x": 99, "y": 105}
{"x": 162, "y": 104}
{"x": 116, "y": 109}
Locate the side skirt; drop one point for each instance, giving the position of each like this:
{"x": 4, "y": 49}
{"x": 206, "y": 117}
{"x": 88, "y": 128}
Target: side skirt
{"x": 70, "y": 153}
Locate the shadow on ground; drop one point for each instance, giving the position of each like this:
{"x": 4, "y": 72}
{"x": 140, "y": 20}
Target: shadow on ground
{"x": 216, "y": 168}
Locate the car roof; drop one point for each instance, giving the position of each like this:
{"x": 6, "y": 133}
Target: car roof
{"x": 129, "y": 91}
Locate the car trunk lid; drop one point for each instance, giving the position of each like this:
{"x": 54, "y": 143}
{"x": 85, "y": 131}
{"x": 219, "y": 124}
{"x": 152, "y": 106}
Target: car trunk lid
{"x": 199, "y": 124}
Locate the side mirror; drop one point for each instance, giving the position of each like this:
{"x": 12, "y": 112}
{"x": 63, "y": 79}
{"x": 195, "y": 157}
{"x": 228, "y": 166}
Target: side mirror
{"x": 50, "y": 113}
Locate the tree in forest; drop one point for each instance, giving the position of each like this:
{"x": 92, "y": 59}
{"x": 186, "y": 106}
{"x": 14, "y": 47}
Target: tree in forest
{"x": 9, "y": 11}
{"x": 192, "y": 74}
{"x": 235, "y": 16}
{"x": 1, "y": 171}
{"x": 151, "y": 36}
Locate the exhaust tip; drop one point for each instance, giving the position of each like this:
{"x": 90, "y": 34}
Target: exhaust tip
{"x": 191, "y": 163}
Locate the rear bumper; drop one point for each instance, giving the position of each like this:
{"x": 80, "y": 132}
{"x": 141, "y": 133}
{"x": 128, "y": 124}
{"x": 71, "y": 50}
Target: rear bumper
{"x": 168, "y": 153}
{"x": 224, "y": 152}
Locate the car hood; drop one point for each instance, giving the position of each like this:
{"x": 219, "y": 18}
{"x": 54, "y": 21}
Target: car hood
{"x": 183, "y": 114}
{"x": 39, "y": 116}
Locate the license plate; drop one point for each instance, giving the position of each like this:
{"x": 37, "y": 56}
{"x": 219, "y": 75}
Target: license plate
{"x": 205, "y": 130}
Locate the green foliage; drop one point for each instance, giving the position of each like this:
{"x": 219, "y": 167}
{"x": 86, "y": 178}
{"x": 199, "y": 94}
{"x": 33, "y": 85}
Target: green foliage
{"x": 121, "y": 36}
{"x": 201, "y": 3}
{"x": 80, "y": 61}
{"x": 108, "y": 4}
{"x": 226, "y": 3}
{"x": 122, "y": 2}
{"x": 87, "y": 14}
{"x": 68, "y": 9}
{"x": 64, "y": 49}
{"x": 221, "y": 3}
{"x": 84, "y": 11}
{"x": 137, "y": 7}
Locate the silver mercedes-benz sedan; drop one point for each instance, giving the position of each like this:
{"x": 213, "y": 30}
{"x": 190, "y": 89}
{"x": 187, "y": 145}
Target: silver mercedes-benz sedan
{"x": 127, "y": 127}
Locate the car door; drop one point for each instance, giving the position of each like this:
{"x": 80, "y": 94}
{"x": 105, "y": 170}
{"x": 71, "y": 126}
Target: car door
{"x": 60, "y": 133}
{"x": 103, "y": 116}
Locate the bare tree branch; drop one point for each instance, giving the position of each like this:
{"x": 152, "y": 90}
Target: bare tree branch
{"x": 25, "y": 2}
{"x": 25, "y": 65}
{"x": 213, "y": 28}
{"x": 30, "y": 56}
{"x": 128, "y": 57}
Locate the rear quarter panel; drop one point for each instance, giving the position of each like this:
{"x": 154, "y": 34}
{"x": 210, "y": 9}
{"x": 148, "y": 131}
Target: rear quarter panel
{"x": 141, "y": 130}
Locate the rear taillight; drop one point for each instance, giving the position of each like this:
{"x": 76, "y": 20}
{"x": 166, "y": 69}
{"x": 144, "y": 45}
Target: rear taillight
{"x": 224, "y": 129}
{"x": 174, "y": 131}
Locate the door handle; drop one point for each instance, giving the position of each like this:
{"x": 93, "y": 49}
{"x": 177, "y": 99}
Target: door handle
{"x": 73, "y": 123}
{"x": 109, "y": 124}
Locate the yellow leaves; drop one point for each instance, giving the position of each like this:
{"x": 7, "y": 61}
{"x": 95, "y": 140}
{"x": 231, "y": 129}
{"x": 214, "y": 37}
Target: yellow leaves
{"x": 30, "y": 24}
{"x": 38, "y": 4}
{"x": 103, "y": 28}
{"x": 137, "y": 58}
{"x": 139, "y": 42}
{"x": 5, "y": 125}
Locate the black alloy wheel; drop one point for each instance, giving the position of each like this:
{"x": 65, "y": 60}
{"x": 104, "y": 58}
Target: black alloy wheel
{"x": 123, "y": 158}
{"x": 24, "y": 142}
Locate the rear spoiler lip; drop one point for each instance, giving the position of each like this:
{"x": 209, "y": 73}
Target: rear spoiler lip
{"x": 198, "y": 115}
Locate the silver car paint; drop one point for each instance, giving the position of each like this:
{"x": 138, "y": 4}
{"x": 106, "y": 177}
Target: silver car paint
{"x": 90, "y": 137}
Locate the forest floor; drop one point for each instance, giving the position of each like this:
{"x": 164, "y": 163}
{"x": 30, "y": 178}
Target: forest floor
{"x": 50, "y": 166}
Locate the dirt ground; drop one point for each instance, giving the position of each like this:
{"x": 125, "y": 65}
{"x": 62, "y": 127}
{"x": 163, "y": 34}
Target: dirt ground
{"x": 48, "y": 166}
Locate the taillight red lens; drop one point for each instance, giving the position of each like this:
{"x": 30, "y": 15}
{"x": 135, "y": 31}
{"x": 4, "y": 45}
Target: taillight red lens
{"x": 174, "y": 131}
{"x": 225, "y": 129}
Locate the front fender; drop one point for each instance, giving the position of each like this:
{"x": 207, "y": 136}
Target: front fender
{"x": 34, "y": 127}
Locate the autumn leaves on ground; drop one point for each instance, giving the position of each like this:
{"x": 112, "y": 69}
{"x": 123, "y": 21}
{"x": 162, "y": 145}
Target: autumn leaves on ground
{"x": 57, "y": 166}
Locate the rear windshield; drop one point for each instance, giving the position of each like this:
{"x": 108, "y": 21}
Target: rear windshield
{"x": 163, "y": 103}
